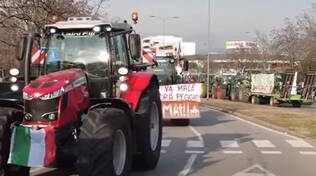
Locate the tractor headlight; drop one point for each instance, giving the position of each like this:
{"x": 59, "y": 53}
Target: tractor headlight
{"x": 27, "y": 96}
{"x": 123, "y": 87}
{"x": 52, "y": 30}
{"x": 50, "y": 116}
{"x": 14, "y": 87}
{"x": 14, "y": 72}
{"x": 96, "y": 29}
{"x": 13, "y": 79}
{"x": 108, "y": 28}
{"x": 52, "y": 95}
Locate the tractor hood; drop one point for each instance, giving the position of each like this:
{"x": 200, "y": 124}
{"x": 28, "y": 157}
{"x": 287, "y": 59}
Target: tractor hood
{"x": 54, "y": 84}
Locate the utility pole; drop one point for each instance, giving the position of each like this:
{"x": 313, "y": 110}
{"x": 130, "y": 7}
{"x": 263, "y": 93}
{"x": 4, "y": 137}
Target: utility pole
{"x": 208, "y": 50}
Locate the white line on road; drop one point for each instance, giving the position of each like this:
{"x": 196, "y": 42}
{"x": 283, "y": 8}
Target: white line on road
{"x": 188, "y": 166}
{"x": 163, "y": 151}
{"x": 229, "y": 144}
{"x": 307, "y": 153}
{"x": 194, "y": 144}
{"x": 299, "y": 144}
{"x": 197, "y": 134}
{"x": 260, "y": 126}
{"x": 165, "y": 142}
{"x": 263, "y": 143}
{"x": 271, "y": 152}
{"x": 232, "y": 152}
{"x": 194, "y": 152}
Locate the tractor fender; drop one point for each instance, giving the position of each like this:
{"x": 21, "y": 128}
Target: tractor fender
{"x": 137, "y": 83}
{"x": 114, "y": 103}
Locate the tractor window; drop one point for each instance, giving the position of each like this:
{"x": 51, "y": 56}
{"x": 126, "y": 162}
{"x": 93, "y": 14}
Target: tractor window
{"x": 86, "y": 51}
{"x": 119, "y": 51}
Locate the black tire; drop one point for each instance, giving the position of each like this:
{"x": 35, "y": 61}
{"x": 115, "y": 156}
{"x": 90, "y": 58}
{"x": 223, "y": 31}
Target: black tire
{"x": 148, "y": 156}
{"x": 254, "y": 99}
{"x": 9, "y": 116}
{"x": 180, "y": 122}
{"x": 296, "y": 104}
{"x": 96, "y": 140}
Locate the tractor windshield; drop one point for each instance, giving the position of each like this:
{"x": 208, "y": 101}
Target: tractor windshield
{"x": 164, "y": 66}
{"x": 75, "y": 50}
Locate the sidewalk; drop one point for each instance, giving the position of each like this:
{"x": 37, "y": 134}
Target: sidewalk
{"x": 297, "y": 121}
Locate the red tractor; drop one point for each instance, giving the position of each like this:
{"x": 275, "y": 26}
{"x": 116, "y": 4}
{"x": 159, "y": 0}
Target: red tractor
{"x": 86, "y": 105}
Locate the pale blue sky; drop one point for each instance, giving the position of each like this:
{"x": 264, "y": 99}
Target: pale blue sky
{"x": 230, "y": 20}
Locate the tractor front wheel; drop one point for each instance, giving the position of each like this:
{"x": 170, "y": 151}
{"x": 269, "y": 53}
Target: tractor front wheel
{"x": 105, "y": 145}
{"x": 150, "y": 130}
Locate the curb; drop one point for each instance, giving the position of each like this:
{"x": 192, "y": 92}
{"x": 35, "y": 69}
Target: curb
{"x": 260, "y": 122}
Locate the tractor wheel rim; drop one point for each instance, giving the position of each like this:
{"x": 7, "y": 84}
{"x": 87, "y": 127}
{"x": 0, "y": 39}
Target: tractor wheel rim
{"x": 253, "y": 100}
{"x": 119, "y": 152}
{"x": 154, "y": 126}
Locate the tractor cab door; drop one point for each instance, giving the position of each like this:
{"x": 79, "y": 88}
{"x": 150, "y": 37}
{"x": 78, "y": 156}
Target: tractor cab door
{"x": 120, "y": 59}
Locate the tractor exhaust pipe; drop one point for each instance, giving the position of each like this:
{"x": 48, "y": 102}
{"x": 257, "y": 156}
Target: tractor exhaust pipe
{"x": 28, "y": 38}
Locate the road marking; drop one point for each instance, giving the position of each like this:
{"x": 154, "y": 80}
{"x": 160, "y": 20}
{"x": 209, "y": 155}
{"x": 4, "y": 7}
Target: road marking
{"x": 188, "y": 166}
{"x": 202, "y": 109}
{"x": 165, "y": 142}
{"x": 307, "y": 153}
{"x": 194, "y": 152}
{"x": 255, "y": 170}
{"x": 197, "y": 134}
{"x": 229, "y": 144}
{"x": 299, "y": 144}
{"x": 271, "y": 152}
{"x": 194, "y": 144}
{"x": 263, "y": 143}
{"x": 163, "y": 151}
{"x": 232, "y": 152}
{"x": 257, "y": 125}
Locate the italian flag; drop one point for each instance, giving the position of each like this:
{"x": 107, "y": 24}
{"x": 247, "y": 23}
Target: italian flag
{"x": 32, "y": 147}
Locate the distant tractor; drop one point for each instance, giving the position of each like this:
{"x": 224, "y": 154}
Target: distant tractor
{"x": 85, "y": 105}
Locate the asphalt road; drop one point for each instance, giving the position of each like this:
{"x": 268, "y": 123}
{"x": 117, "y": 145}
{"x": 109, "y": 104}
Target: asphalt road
{"x": 223, "y": 145}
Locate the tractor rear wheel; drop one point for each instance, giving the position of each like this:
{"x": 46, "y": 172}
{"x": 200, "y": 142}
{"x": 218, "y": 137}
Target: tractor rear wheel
{"x": 8, "y": 116}
{"x": 105, "y": 143}
{"x": 150, "y": 135}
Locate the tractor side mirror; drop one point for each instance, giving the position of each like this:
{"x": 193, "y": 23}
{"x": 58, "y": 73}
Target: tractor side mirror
{"x": 20, "y": 49}
{"x": 186, "y": 65}
{"x": 135, "y": 46}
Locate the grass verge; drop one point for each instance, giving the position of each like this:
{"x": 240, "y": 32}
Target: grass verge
{"x": 301, "y": 121}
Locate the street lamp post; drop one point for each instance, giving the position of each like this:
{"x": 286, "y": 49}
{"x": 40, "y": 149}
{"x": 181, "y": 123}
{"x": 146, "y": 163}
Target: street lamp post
{"x": 164, "y": 19}
{"x": 208, "y": 50}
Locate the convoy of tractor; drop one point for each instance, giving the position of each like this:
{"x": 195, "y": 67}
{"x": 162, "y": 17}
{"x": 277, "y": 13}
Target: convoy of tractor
{"x": 92, "y": 95}
{"x": 85, "y": 103}
{"x": 179, "y": 95}
{"x": 266, "y": 88}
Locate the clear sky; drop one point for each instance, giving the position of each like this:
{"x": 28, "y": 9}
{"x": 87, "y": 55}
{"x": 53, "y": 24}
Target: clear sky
{"x": 230, "y": 19}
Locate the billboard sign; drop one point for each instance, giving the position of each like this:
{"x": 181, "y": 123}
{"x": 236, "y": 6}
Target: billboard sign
{"x": 241, "y": 45}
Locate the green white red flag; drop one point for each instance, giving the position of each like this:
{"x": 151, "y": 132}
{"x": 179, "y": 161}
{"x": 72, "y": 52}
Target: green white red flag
{"x": 32, "y": 147}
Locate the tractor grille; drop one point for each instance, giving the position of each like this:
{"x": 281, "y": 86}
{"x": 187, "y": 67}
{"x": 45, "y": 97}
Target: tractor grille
{"x": 37, "y": 108}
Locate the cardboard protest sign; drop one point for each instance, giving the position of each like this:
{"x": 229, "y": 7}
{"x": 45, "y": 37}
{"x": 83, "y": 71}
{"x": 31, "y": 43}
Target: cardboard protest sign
{"x": 180, "y": 100}
{"x": 262, "y": 83}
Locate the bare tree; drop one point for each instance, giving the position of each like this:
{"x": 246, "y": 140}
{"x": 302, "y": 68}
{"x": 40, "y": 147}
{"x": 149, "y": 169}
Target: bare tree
{"x": 20, "y": 16}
